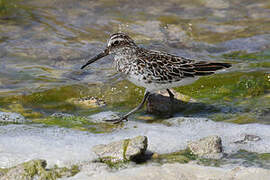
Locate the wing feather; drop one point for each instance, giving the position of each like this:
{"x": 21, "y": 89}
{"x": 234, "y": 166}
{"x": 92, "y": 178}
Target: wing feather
{"x": 163, "y": 68}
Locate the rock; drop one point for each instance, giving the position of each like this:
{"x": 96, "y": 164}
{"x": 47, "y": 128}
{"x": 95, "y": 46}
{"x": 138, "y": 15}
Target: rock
{"x": 208, "y": 147}
{"x": 89, "y": 102}
{"x": 9, "y": 117}
{"x": 118, "y": 151}
{"x": 25, "y": 171}
{"x": 248, "y": 138}
{"x": 159, "y": 103}
{"x": 36, "y": 169}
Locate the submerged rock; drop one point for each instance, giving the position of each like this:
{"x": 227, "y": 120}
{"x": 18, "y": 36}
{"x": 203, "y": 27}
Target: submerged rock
{"x": 209, "y": 147}
{"x": 159, "y": 103}
{"x": 123, "y": 150}
{"x": 9, "y": 117}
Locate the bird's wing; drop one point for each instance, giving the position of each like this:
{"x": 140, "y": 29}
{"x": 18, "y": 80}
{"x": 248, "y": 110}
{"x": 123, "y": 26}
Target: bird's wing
{"x": 161, "y": 67}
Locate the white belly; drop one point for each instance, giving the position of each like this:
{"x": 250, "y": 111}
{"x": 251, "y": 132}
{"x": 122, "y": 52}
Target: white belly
{"x": 137, "y": 80}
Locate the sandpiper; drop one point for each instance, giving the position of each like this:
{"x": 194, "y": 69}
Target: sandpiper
{"x": 153, "y": 70}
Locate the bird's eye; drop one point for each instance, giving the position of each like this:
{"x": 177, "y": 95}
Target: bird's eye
{"x": 116, "y": 42}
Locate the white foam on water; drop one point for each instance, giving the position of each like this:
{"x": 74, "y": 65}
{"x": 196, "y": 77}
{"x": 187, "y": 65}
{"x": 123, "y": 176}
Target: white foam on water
{"x": 61, "y": 146}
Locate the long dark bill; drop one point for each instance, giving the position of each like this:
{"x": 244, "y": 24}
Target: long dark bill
{"x": 97, "y": 57}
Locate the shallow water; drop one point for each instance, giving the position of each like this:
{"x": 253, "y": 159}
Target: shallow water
{"x": 40, "y": 39}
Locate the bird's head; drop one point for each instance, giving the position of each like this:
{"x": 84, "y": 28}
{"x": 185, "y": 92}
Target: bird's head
{"x": 116, "y": 44}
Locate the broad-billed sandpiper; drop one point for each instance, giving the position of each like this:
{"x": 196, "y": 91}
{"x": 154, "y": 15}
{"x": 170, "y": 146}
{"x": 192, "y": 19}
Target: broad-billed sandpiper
{"x": 153, "y": 70}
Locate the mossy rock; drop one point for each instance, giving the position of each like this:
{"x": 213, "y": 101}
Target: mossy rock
{"x": 122, "y": 151}
{"x": 37, "y": 168}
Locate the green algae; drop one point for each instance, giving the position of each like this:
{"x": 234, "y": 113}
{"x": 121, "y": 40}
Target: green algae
{"x": 125, "y": 146}
{"x": 182, "y": 156}
{"x": 109, "y": 161}
{"x": 36, "y": 167}
{"x": 169, "y": 19}
{"x": 209, "y": 162}
{"x": 243, "y": 119}
{"x": 120, "y": 94}
{"x": 243, "y": 55}
{"x": 7, "y": 6}
{"x": 78, "y": 123}
{"x": 243, "y": 94}
{"x": 64, "y": 171}
{"x": 228, "y": 86}
{"x": 26, "y": 112}
{"x": 238, "y": 118}
{"x": 123, "y": 94}
{"x": 260, "y": 64}
{"x": 52, "y": 99}
{"x": 264, "y": 156}
{"x": 243, "y": 157}
{"x": 251, "y": 158}
{"x": 3, "y": 171}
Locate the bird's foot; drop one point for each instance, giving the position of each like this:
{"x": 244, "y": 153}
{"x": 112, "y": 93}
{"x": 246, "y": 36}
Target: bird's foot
{"x": 117, "y": 120}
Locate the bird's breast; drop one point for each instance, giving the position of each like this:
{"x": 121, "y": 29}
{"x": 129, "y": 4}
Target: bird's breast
{"x": 123, "y": 63}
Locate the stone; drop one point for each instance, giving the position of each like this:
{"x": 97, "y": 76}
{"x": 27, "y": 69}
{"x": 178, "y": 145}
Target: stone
{"x": 25, "y": 171}
{"x": 159, "y": 102}
{"x": 209, "y": 147}
{"x": 248, "y": 138}
{"x": 9, "y": 117}
{"x": 123, "y": 150}
{"x": 36, "y": 169}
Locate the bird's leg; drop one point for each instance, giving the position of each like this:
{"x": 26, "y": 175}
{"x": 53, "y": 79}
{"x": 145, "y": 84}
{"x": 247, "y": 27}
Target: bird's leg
{"x": 171, "y": 101}
{"x": 118, "y": 120}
